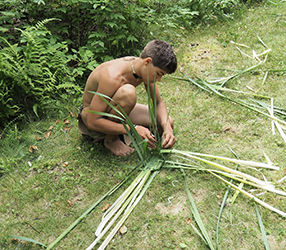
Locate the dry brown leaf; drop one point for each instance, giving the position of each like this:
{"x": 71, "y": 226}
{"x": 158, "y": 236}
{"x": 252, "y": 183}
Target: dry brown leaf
{"x": 58, "y": 121}
{"x": 48, "y": 134}
{"x": 32, "y": 148}
{"x": 79, "y": 148}
{"x": 67, "y": 129}
{"x": 123, "y": 230}
{"x": 106, "y": 207}
{"x": 14, "y": 239}
{"x": 188, "y": 221}
{"x": 51, "y": 127}
{"x": 65, "y": 163}
{"x": 39, "y": 138}
{"x": 70, "y": 203}
{"x": 67, "y": 122}
{"x": 71, "y": 113}
{"x": 229, "y": 129}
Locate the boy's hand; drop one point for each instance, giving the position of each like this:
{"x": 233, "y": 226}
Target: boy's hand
{"x": 168, "y": 140}
{"x": 146, "y": 134}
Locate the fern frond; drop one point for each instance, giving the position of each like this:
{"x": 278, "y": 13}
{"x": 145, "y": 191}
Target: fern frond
{"x": 12, "y": 47}
{"x": 42, "y": 23}
{"x": 69, "y": 86}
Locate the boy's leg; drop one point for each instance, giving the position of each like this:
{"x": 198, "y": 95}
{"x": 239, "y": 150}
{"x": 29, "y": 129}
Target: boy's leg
{"x": 140, "y": 116}
{"x": 126, "y": 97}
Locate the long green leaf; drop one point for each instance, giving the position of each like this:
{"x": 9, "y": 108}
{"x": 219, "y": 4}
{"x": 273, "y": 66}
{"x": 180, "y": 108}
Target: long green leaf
{"x": 220, "y": 214}
{"x": 197, "y": 217}
{"x": 238, "y": 92}
{"x": 152, "y": 107}
{"x": 105, "y": 114}
{"x": 266, "y": 244}
{"x": 222, "y": 205}
{"x": 27, "y": 239}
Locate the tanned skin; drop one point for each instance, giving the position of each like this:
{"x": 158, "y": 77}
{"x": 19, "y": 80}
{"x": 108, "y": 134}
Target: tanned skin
{"x": 115, "y": 79}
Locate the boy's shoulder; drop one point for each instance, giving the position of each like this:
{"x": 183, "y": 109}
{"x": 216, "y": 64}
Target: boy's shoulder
{"x": 108, "y": 71}
{"x": 129, "y": 58}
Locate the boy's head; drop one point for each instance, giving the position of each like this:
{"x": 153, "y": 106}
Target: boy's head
{"x": 162, "y": 54}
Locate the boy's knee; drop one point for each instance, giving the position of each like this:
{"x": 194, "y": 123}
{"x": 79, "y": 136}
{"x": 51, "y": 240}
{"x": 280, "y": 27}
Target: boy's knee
{"x": 128, "y": 90}
{"x": 127, "y": 95}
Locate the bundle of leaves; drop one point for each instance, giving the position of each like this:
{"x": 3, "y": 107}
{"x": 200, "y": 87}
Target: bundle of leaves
{"x": 33, "y": 72}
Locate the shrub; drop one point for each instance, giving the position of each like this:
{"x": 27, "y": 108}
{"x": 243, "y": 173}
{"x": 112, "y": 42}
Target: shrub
{"x": 188, "y": 13}
{"x": 108, "y": 29}
{"x": 32, "y": 72}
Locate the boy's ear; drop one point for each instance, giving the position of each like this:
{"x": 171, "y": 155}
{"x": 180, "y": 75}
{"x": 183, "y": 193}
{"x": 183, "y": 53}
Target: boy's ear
{"x": 148, "y": 61}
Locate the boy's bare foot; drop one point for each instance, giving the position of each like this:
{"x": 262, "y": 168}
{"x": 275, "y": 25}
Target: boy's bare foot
{"x": 117, "y": 147}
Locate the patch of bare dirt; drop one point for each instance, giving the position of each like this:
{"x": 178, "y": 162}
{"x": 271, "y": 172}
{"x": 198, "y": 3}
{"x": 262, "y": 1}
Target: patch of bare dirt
{"x": 173, "y": 208}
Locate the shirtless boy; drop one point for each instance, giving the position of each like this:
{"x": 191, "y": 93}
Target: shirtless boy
{"x": 118, "y": 79}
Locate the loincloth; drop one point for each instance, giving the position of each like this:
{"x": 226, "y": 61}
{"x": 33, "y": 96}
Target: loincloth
{"x": 84, "y": 130}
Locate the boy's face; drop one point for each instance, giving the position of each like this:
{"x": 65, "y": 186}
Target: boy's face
{"x": 153, "y": 73}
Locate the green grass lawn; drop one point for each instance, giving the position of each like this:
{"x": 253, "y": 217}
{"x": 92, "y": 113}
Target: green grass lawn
{"x": 45, "y": 188}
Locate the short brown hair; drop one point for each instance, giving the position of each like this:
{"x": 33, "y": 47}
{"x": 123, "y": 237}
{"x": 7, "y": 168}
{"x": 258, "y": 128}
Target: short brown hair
{"x": 162, "y": 54}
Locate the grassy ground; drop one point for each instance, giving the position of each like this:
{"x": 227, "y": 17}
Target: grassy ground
{"x": 43, "y": 192}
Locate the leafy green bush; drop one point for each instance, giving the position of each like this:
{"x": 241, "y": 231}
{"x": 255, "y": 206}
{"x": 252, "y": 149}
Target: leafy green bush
{"x": 107, "y": 28}
{"x": 188, "y": 13}
{"x": 33, "y": 72}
